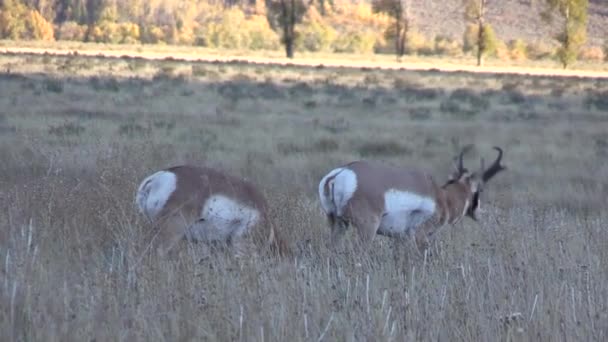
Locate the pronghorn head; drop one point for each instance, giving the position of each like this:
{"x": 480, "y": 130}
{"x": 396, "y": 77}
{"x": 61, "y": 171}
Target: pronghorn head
{"x": 471, "y": 184}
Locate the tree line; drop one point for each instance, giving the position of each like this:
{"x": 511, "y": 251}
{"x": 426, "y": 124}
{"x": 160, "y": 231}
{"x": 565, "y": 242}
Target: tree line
{"x": 379, "y": 26}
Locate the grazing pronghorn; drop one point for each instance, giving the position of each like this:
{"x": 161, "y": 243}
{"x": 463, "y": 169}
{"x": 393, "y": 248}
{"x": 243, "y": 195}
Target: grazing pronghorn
{"x": 397, "y": 202}
{"x": 204, "y": 204}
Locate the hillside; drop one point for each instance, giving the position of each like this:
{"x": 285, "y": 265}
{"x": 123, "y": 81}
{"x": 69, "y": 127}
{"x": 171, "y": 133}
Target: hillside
{"x": 511, "y": 19}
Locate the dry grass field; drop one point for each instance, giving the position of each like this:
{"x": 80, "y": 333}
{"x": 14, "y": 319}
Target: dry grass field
{"x": 77, "y": 134}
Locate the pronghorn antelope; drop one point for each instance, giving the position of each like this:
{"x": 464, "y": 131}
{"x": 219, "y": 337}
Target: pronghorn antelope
{"x": 204, "y": 204}
{"x": 397, "y": 202}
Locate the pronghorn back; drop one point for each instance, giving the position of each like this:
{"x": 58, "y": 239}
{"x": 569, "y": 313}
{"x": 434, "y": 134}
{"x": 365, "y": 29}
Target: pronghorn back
{"x": 205, "y": 204}
{"x": 395, "y": 201}
{"x": 376, "y": 184}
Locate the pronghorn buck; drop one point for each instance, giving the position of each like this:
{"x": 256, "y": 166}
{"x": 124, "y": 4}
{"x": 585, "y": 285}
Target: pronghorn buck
{"x": 203, "y": 204}
{"x": 397, "y": 202}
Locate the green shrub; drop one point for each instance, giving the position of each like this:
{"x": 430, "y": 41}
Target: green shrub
{"x": 518, "y": 50}
{"x": 566, "y": 56}
{"x": 129, "y": 33}
{"x": 416, "y": 43}
{"x": 13, "y": 17}
{"x": 471, "y": 37}
{"x": 447, "y": 46}
{"x": 472, "y": 98}
{"x": 315, "y": 36}
{"x": 107, "y": 84}
{"x": 355, "y": 42}
{"x": 261, "y": 35}
{"x": 115, "y": 33}
{"x": 67, "y": 129}
{"x": 540, "y": 51}
{"x": 383, "y": 148}
{"x": 19, "y": 22}
{"x": 132, "y": 129}
{"x": 152, "y": 34}
{"x": 53, "y": 85}
{"x": 228, "y": 32}
{"x": 492, "y": 43}
{"x": 597, "y": 100}
{"x": 592, "y": 53}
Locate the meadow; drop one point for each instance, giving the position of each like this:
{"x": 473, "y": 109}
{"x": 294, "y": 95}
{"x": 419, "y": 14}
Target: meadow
{"x": 77, "y": 135}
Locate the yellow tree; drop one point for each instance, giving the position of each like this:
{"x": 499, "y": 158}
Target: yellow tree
{"x": 398, "y": 11}
{"x": 574, "y": 32}
{"x": 285, "y": 14}
{"x": 479, "y": 33}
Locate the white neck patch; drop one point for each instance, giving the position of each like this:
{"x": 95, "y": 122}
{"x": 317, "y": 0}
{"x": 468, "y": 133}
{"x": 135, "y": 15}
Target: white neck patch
{"x": 405, "y": 211}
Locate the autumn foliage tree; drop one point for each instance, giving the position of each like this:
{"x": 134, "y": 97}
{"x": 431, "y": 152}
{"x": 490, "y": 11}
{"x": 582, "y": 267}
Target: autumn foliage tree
{"x": 479, "y": 35}
{"x": 398, "y": 11}
{"x": 285, "y": 14}
{"x": 359, "y": 29}
{"x": 574, "y": 32}
{"x": 332, "y": 26}
{"x": 17, "y": 21}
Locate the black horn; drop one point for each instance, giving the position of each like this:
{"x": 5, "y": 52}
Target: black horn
{"x": 495, "y": 167}
{"x": 458, "y": 161}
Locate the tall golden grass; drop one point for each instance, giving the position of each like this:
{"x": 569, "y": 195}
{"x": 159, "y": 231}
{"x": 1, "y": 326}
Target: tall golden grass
{"x": 78, "y": 134}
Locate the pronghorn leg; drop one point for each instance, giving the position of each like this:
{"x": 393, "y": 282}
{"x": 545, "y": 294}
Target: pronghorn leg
{"x": 422, "y": 241}
{"x": 170, "y": 233}
{"x": 425, "y": 235}
{"x": 338, "y": 228}
{"x": 367, "y": 224}
{"x": 242, "y": 248}
{"x": 399, "y": 248}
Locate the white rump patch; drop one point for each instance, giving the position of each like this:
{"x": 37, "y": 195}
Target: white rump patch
{"x": 326, "y": 200}
{"x": 404, "y": 211}
{"x": 341, "y": 190}
{"x": 222, "y": 218}
{"x": 154, "y": 191}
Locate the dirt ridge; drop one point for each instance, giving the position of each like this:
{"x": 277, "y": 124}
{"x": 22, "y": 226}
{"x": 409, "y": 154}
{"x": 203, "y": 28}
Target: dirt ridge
{"x": 310, "y": 62}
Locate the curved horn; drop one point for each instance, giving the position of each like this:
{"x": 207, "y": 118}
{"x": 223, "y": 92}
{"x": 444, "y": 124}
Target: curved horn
{"x": 458, "y": 161}
{"x": 495, "y": 167}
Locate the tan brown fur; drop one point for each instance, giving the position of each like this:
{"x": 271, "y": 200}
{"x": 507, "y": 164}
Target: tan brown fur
{"x": 450, "y": 201}
{"x": 365, "y": 209}
{"x": 195, "y": 184}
